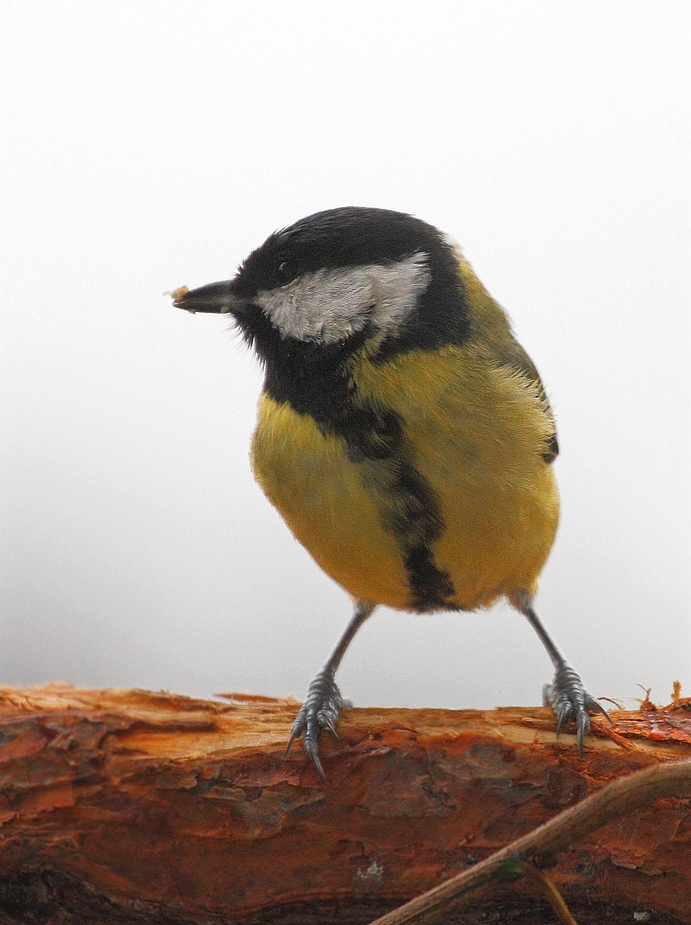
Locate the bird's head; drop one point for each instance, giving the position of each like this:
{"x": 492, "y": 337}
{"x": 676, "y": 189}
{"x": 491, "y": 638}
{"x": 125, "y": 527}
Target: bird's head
{"x": 333, "y": 280}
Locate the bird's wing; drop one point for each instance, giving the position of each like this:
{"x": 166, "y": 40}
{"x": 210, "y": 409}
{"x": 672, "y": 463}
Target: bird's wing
{"x": 520, "y": 361}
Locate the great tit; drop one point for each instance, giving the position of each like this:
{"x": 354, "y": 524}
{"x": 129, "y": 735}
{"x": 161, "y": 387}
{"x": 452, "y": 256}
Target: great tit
{"x": 403, "y": 433}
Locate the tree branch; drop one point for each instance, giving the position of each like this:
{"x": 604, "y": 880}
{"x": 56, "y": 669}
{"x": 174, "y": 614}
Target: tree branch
{"x": 136, "y": 807}
{"x": 632, "y": 792}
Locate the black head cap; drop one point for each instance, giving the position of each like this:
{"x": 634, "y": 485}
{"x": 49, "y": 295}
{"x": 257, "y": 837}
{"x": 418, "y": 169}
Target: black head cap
{"x": 355, "y": 236}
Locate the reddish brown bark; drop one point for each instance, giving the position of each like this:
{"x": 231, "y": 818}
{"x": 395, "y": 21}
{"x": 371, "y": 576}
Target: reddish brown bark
{"x": 129, "y": 806}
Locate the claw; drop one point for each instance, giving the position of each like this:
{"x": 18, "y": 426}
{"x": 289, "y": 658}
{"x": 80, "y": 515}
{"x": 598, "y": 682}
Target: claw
{"x": 296, "y": 730}
{"x": 325, "y": 722}
{"x": 570, "y": 700}
{"x": 311, "y": 746}
{"x": 319, "y": 711}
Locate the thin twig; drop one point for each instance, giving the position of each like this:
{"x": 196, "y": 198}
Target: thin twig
{"x": 672, "y": 779}
{"x": 549, "y": 891}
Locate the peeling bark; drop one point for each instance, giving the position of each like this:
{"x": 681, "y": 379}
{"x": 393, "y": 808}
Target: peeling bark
{"x": 137, "y": 807}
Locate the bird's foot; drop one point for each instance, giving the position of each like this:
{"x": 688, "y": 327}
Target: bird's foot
{"x": 319, "y": 711}
{"x": 570, "y": 700}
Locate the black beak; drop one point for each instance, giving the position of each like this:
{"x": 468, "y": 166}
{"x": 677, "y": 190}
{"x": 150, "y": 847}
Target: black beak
{"x": 215, "y": 297}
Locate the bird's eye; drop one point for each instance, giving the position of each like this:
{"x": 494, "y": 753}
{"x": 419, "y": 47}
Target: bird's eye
{"x": 287, "y": 270}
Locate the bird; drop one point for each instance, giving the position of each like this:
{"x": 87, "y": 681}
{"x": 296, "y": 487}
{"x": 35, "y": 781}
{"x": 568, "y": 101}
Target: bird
{"x": 403, "y": 433}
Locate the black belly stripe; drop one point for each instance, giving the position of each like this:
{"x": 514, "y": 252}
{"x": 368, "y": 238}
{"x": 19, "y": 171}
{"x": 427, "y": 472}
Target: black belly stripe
{"x": 316, "y": 380}
{"x": 408, "y": 508}
{"x": 416, "y": 525}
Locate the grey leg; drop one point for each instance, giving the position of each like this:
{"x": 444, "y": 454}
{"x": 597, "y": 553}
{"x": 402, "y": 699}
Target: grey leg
{"x": 566, "y": 695}
{"x": 323, "y": 702}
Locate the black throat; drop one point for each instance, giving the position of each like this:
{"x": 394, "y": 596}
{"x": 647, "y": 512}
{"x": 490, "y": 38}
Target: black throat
{"x": 316, "y": 379}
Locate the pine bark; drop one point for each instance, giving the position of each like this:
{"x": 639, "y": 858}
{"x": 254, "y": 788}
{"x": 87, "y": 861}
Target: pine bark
{"x": 138, "y": 807}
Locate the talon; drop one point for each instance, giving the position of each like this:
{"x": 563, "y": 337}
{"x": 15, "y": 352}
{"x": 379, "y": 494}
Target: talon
{"x": 326, "y": 723}
{"x": 569, "y": 699}
{"x": 594, "y": 706}
{"x": 319, "y": 712}
{"x": 311, "y": 747}
{"x": 296, "y": 730}
{"x": 582, "y": 730}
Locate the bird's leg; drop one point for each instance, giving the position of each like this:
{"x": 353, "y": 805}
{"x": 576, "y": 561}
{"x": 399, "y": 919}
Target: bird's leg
{"x": 566, "y": 695}
{"x": 323, "y": 702}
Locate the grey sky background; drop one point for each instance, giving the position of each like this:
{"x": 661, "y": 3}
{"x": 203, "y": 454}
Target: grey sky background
{"x": 150, "y": 145}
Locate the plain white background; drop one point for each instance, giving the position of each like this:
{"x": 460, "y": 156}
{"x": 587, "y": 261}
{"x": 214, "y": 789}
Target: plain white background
{"x": 150, "y": 145}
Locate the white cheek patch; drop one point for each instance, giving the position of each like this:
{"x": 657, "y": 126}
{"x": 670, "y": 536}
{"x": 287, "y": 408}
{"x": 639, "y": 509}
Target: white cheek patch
{"x": 327, "y": 306}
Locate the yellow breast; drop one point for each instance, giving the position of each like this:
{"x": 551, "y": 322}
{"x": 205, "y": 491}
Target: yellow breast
{"x": 473, "y": 431}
